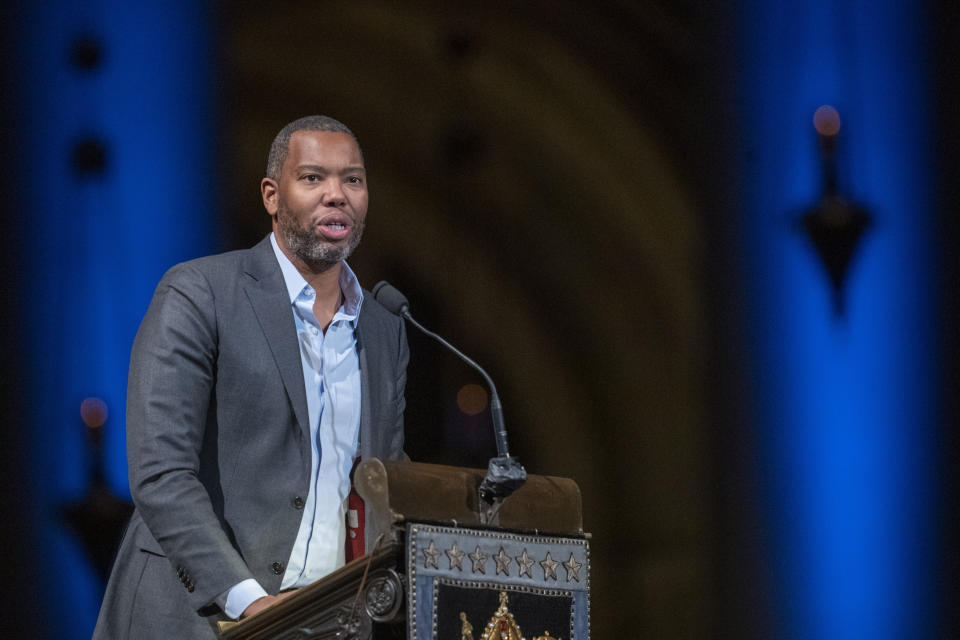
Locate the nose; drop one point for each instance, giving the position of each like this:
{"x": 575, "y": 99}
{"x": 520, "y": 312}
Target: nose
{"x": 333, "y": 193}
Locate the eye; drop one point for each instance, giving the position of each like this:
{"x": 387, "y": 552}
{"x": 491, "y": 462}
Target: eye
{"x": 355, "y": 180}
{"x": 311, "y": 177}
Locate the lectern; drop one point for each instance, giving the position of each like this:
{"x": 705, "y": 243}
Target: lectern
{"x": 441, "y": 564}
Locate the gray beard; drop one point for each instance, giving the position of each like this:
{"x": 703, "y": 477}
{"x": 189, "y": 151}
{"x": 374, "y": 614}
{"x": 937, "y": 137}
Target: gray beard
{"x": 317, "y": 253}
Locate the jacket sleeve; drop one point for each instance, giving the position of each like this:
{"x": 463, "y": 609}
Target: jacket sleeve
{"x": 172, "y": 374}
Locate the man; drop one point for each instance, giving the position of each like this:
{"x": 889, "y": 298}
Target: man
{"x": 256, "y": 379}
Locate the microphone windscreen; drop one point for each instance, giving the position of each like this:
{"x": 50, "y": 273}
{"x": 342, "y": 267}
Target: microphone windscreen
{"x": 390, "y": 297}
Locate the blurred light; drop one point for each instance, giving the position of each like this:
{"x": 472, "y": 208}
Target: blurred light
{"x": 826, "y": 121}
{"x": 94, "y": 412}
{"x": 472, "y": 399}
{"x": 846, "y": 411}
{"x": 108, "y": 91}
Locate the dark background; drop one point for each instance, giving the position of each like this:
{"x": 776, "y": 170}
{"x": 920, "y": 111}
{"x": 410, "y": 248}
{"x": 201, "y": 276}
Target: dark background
{"x": 555, "y": 188}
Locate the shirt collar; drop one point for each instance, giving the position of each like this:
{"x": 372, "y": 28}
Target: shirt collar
{"x": 349, "y": 285}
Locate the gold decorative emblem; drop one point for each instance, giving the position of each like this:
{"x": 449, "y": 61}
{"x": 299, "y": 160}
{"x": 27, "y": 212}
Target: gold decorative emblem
{"x": 466, "y": 629}
{"x": 502, "y": 626}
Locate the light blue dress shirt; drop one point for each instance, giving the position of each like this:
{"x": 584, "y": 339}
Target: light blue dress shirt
{"x": 331, "y": 375}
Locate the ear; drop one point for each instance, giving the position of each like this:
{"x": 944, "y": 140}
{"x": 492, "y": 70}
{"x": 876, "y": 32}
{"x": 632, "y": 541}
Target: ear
{"x": 269, "y": 190}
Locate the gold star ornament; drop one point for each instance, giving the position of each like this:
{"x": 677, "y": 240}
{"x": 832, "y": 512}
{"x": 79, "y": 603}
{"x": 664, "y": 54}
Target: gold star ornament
{"x": 456, "y": 557}
{"x": 573, "y": 568}
{"x": 549, "y": 567}
{"x": 503, "y": 562}
{"x": 430, "y": 555}
{"x": 479, "y": 561}
{"x": 525, "y": 562}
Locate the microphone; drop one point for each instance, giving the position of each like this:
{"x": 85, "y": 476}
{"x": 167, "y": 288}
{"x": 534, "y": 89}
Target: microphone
{"x": 505, "y": 474}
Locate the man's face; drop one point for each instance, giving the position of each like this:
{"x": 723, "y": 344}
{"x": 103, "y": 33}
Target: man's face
{"x": 319, "y": 203}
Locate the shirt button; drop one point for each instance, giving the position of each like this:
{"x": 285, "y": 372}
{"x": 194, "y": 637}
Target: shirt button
{"x": 297, "y": 502}
{"x": 308, "y": 292}
{"x": 314, "y": 331}
{"x": 277, "y": 567}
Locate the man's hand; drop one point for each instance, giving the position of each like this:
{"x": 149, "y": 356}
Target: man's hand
{"x": 260, "y": 604}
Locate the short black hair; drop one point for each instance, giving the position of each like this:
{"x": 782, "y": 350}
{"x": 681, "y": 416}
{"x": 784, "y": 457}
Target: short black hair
{"x": 281, "y": 144}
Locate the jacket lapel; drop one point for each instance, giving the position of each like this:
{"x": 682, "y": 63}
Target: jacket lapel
{"x": 367, "y": 384}
{"x": 268, "y": 295}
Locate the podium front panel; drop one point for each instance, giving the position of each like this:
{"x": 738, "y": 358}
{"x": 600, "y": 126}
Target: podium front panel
{"x": 488, "y": 584}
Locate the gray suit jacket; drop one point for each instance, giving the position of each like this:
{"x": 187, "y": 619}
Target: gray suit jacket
{"x": 218, "y": 440}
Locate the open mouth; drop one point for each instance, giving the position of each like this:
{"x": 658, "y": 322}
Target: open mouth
{"x": 334, "y": 227}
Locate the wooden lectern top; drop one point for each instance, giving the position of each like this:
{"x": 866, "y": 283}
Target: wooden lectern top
{"x": 399, "y": 491}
